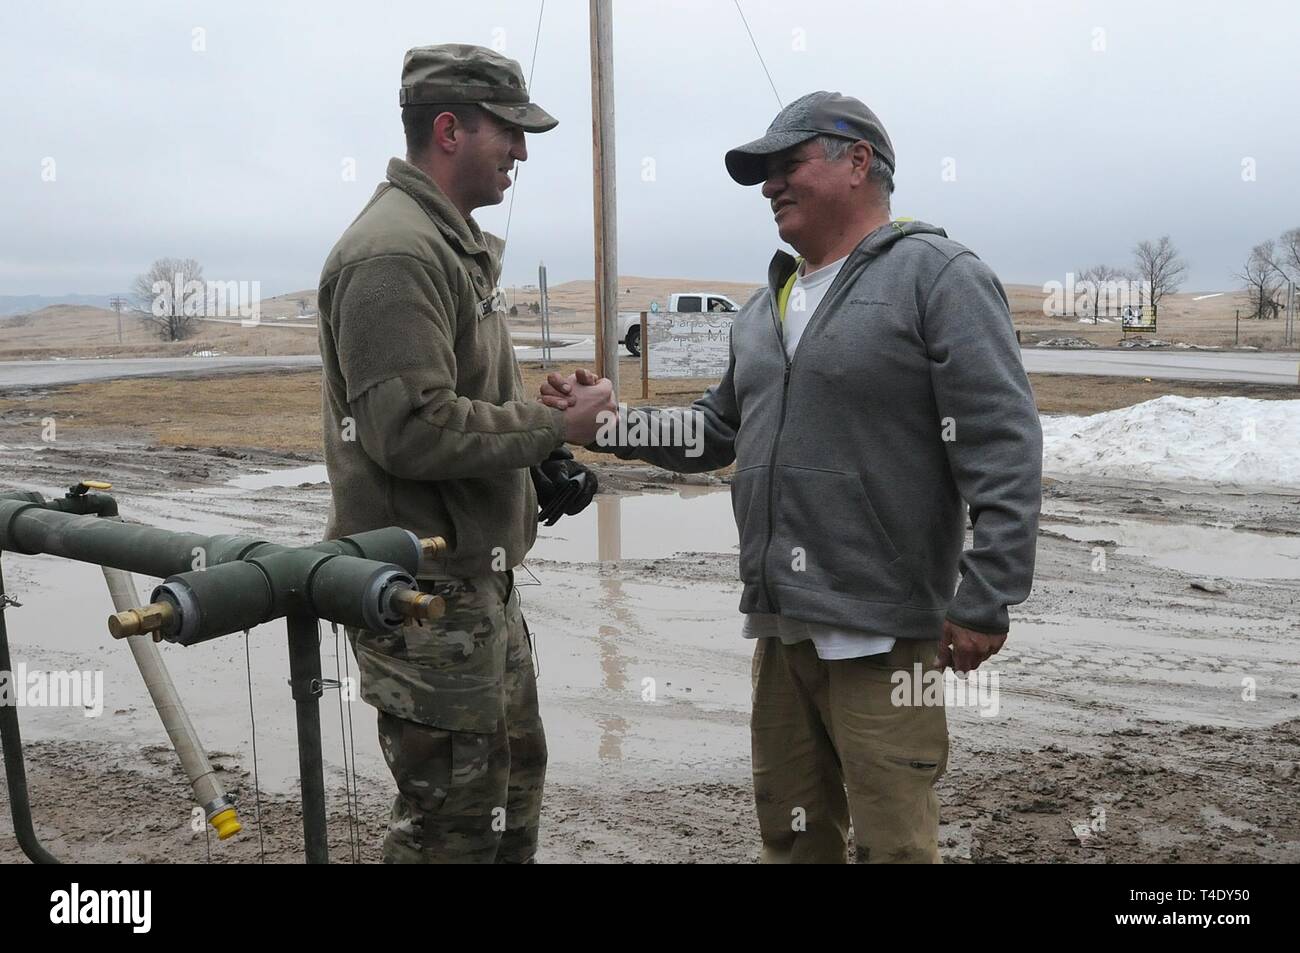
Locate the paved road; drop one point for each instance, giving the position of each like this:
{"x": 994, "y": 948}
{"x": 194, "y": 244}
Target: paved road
{"x": 45, "y": 373}
{"x": 49, "y": 373}
{"x": 1263, "y": 368}
{"x": 1252, "y": 367}
{"x": 266, "y": 322}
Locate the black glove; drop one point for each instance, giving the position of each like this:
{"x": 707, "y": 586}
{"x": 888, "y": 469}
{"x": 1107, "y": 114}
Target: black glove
{"x": 564, "y": 486}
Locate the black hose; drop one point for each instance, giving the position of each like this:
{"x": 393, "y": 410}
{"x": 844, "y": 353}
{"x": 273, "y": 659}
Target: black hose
{"x": 11, "y": 740}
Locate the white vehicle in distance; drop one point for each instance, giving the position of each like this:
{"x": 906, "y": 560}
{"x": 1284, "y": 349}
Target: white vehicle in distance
{"x": 685, "y": 302}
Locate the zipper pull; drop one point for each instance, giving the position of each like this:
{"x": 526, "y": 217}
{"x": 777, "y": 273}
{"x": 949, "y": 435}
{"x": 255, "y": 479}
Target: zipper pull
{"x": 786, "y": 381}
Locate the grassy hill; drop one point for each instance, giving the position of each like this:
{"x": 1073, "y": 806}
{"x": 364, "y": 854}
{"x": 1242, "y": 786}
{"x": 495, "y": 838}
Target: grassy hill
{"x": 69, "y": 330}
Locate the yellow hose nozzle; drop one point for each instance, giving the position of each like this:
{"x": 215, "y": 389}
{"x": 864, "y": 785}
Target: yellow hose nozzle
{"x": 227, "y": 823}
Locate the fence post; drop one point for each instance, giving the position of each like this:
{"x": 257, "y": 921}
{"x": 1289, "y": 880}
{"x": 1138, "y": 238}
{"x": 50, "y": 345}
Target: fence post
{"x": 645, "y": 359}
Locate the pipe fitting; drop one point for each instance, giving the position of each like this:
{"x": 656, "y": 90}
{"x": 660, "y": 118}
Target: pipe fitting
{"x": 154, "y": 618}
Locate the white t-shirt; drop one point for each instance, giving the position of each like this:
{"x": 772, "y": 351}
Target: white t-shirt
{"x": 831, "y": 642}
{"x": 805, "y": 296}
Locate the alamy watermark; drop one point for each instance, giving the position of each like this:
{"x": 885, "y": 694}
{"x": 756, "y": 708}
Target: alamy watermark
{"x": 37, "y": 689}
{"x": 944, "y": 687}
{"x": 672, "y": 427}
{"x": 208, "y": 299}
{"x": 1086, "y": 298}
{"x": 129, "y": 907}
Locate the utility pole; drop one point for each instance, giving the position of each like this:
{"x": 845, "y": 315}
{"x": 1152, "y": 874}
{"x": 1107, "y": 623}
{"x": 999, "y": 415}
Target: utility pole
{"x": 1290, "y": 313}
{"x": 116, "y": 303}
{"x": 544, "y": 295}
{"x": 606, "y": 217}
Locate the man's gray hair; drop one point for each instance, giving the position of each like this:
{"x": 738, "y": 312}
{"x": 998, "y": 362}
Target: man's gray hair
{"x": 837, "y": 147}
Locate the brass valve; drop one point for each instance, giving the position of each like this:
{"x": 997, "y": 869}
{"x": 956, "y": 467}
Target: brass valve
{"x": 152, "y": 618}
{"x": 417, "y": 605}
{"x": 431, "y": 547}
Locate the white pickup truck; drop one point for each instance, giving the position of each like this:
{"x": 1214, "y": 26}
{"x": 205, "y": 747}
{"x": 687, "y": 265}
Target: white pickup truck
{"x": 629, "y": 322}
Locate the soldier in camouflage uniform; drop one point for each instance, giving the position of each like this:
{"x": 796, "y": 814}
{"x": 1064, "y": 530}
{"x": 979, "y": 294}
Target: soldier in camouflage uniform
{"x": 426, "y": 427}
{"x": 472, "y": 794}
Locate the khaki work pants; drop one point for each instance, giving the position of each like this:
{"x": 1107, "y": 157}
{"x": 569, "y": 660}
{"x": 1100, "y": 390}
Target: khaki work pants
{"x": 829, "y": 747}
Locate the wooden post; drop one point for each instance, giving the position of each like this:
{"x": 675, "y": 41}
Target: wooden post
{"x": 645, "y": 359}
{"x": 1291, "y": 315}
{"x": 543, "y": 294}
{"x": 606, "y": 217}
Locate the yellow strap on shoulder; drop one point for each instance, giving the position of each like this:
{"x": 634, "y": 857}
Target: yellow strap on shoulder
{"x": 783, "y": 295}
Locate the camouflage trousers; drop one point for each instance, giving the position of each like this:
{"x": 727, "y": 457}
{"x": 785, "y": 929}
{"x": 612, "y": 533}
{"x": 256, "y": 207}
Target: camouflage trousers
{"x": 459, "y": 727}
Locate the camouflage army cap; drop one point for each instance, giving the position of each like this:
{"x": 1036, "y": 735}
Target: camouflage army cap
{"x": 817, "y": 114}
{"x": 451, "y": 73}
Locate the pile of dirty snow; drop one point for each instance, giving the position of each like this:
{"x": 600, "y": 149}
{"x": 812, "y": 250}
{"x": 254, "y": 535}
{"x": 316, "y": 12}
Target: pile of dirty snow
{"x": 1065, "y": 342}
{"x": 1236, "y": 440}
{"x": 1144, "y": 342}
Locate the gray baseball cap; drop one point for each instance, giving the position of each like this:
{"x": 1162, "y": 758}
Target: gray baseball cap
{"x": 817, "y": 114}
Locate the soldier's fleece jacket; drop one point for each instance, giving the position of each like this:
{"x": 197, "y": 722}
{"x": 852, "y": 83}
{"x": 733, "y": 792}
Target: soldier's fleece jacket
{"x": 426, "y": 425}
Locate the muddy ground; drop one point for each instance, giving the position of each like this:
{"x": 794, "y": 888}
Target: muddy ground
{"x": 1127, "y": 729}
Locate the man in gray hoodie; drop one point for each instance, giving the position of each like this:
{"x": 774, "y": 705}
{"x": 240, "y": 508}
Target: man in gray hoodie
{"x": 875, "y": 391}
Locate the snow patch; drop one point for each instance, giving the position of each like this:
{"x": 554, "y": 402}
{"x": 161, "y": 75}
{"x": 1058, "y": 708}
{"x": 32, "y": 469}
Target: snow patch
{"x": 1234, "y": 440}
{"x": 1065, "y": 342}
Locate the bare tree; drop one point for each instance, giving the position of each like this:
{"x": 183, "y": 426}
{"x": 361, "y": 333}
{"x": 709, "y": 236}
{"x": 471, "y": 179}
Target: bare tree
{"x": 171, "y": 296}
{"x": 1288, "y": 255}
{"x": 1159, "y": 267}
{"x": 1260, "y": 277}
{"x": 1101, "y": 278}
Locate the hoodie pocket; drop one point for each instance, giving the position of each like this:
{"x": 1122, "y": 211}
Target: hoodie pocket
{"x": 749, "y": 505}
{"x": 832, "y": 538}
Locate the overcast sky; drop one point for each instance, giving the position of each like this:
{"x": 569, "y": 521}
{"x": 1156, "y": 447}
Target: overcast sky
{"x": 1074, "y": 129}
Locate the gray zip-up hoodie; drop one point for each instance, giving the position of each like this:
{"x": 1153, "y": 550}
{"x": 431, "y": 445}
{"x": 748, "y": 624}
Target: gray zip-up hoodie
{"x": 906, "y": 396}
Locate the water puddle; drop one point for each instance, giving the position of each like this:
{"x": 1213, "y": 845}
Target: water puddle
{"x": 699, "y": 519}
{"x": 649, "y": 526}
{"x": 315, "y": 473}
{"x": 637, "y": 526}
{"x": 1202, "y": 550}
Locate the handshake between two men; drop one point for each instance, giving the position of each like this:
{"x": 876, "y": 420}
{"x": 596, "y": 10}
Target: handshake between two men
{"x": 585, "y": 399}
{"x": 564, "y": 486}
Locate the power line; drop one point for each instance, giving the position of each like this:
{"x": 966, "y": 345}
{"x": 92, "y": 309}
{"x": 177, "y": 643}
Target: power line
{"x": 779, "y": 103}
{"x": 533, "y": 65}
{"x": 510, "y": 212}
